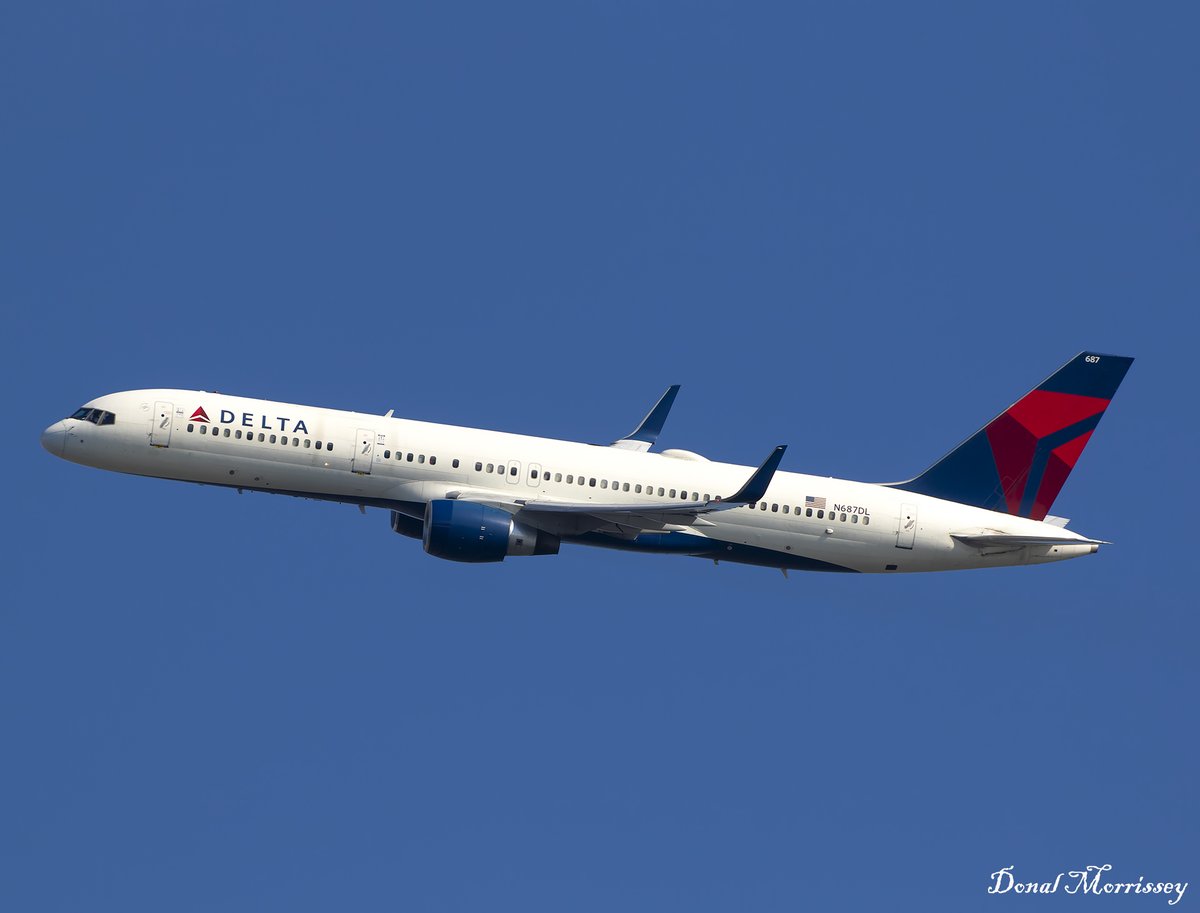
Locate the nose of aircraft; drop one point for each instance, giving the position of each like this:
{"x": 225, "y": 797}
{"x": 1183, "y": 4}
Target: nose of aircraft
{"x": 54, "y": 438}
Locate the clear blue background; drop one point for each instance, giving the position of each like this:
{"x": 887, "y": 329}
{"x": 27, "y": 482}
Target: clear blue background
{"x": 860, "y": 229}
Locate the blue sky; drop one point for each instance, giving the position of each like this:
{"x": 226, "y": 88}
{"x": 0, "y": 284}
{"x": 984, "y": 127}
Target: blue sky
{"x": 861, "y": 230}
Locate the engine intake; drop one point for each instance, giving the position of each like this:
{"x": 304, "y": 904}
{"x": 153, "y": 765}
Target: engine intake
{"x": 476, "y": 533}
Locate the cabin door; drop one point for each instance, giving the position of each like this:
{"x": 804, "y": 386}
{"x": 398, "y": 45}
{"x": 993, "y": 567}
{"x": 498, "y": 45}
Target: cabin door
{"x": 160, "y": 432}
{"x": 364, "y": 451}
{"x": 906, "y": 530}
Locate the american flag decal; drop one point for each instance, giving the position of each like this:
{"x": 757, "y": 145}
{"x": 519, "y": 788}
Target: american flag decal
{"x": 810, "y": 501}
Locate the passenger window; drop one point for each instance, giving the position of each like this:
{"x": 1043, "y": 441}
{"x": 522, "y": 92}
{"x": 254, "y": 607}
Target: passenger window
{"x": 454, "y": 463}
{"x": 762, "y": 506}
{"x": 820, "y": 515}
{"x": 843, "y": 518}
{"x": 786, "y": 509}
{"x": 491, "y": 467}
{"x": 625, "y": 486}
{"x": 582, "y": 480}
{"x": 512, "y": 471}
{"x": 204, "y": 429}
{"x": 191, "y": 428}
{"x": 478, "y": 467}
{"x": 706, "y": 497}
{"x": 433, "y": 461}
{"x": 866, "y": 521}
{"x": 387, "y": 454}
{"x": 307, "y": 443}
{"x": 604, "y": 483}
{"x": 421, "y": 458}
{"x": 329, "y": 446}
{"x": 660, "y": 492}
{"x": 570, "y": 480}
{"x": 854, "y": 518}
{"x": 808, "y": 511}
{"x": 409, "y": 457}
{"x": 318, "y": 444}
{"x": 295, "y": 441}
{"x": 592, "y": 482}
{"x": 273, "y": 439}
{"x": 672, "y": 494}
{"x": 558, "y": 477}
{"x": 774, "y": 508}
{"x": 695, "y": 496}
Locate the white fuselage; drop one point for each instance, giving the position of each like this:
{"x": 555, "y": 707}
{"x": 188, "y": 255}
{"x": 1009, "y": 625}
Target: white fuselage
{"x": 802, "y": 522}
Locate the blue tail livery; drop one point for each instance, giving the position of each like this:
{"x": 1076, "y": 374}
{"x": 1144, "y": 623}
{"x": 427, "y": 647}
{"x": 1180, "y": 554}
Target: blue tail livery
{"x": 1017, "y": 463}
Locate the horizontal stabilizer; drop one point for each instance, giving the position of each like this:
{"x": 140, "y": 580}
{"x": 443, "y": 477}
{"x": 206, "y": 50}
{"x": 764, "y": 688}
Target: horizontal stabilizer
{"x": 1003, "y": 540}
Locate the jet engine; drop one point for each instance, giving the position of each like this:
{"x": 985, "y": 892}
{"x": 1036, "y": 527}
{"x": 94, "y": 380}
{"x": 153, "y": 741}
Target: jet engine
{"x": 466, "y": 531}
{"x": 413, "y": 527}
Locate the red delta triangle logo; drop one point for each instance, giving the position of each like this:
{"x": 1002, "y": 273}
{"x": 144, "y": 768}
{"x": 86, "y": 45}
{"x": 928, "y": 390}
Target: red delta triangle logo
{"x": 199, "y": 415}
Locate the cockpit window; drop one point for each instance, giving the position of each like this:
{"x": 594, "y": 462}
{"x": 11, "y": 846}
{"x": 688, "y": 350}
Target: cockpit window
{"x": 95, "y": 416}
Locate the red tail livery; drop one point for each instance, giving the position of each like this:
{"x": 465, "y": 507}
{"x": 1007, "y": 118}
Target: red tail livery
{"x": 1018, "y": 462}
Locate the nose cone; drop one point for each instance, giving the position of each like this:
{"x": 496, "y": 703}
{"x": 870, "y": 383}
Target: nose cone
{"x": 54, "y": 438}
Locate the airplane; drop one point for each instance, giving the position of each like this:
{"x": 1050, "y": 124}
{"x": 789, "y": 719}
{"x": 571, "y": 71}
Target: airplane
{"x": 477, "y": 496}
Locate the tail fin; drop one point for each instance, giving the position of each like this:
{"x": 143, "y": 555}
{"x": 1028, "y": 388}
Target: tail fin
{"x": 1018, "y": 462}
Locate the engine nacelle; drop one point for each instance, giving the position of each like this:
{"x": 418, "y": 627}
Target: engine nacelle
{"x": 405, "y": 525}
{"x": 466, "y": 531}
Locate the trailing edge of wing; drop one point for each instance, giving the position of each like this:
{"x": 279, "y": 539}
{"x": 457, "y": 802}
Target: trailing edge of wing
{"x": 642, "y": 437}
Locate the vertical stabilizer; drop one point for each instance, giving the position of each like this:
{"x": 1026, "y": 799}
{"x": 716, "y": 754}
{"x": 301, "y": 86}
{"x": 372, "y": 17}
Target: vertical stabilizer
{"x": 1018, "y": 462}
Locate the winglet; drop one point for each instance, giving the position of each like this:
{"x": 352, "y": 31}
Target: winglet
{"x": 756, "y": 485}
{"x": 643, "y": 437}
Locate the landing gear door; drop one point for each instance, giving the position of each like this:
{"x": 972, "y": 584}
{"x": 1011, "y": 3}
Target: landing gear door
{"x": 364, "y": 451}
{"x": 906, "y": 531}
{"x": 160, "y": 430}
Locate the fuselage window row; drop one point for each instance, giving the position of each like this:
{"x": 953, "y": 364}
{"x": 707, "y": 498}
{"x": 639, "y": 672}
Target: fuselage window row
{"x": 262, "y": 438}
{"x": 503, "y": 469}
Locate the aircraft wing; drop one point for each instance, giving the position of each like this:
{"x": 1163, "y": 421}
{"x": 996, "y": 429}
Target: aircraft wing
{"x": 627, "y": 520}
{"x": 574, "y": 518}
